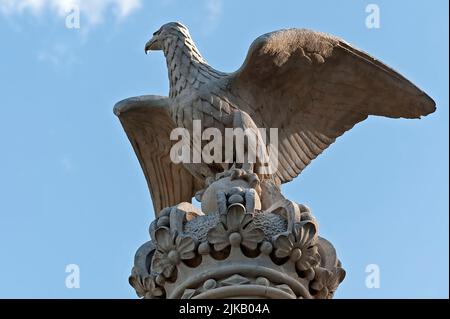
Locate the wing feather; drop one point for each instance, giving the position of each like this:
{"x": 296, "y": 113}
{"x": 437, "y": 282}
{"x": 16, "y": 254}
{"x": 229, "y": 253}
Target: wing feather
{"x": 314, "y": 87}
{"x": 147, "y": 123}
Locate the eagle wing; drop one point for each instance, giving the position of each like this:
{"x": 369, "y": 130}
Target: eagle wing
{"x": 148, "y": 124}
{"x": 314, "y": 87}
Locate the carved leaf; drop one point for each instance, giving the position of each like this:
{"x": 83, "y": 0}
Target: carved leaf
{"x": 218, "y": 236}
{"x": 164, "y": 239}
{"x": 185, "y": 246}
{"x": 252, "y": 237}
{"x": 284, "y": 244}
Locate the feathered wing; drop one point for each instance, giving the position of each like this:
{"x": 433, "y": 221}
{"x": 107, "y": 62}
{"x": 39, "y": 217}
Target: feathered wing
{"x": 147, "y": 122}
{"x": 314, "y": 87}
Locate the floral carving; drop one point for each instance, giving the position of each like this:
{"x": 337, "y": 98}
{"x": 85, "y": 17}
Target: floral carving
{"x": 235, "y": 228}
{"x": 300, "y": 246}
{"x": 326, "y": 282}
{"x": 146, "y": 287}
{"x": 171, "y": 249}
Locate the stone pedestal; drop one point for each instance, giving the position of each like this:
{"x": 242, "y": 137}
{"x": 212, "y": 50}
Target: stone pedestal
{"x": 237, "y": 250}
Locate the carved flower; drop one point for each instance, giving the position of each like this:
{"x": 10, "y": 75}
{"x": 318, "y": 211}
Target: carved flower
{"x": 300, "y": 246}
{"x": 170, "y": 250}
{"x": 146, "y": 287}
{"x": 235, "y": 229}
{"x": 326, "y": 282}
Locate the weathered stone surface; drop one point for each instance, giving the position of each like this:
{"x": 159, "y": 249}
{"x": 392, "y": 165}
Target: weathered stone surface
{"x": 248, "y": 240}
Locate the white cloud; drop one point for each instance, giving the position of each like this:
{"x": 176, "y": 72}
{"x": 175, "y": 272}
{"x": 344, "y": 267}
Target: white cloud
{"x": 124, "y": 8}
{"x": 78, "y": 14}
{"x": 92, "y": 11}
{"x": 13, "y": 6}
{"x": 58, "y": 55}
{"x": 67, "y": 164}
{"x": 213, "y": 14}
{"x": 214, "y": 8}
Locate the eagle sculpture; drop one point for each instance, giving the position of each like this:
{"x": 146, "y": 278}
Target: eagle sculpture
{"x": 312, "y": 86}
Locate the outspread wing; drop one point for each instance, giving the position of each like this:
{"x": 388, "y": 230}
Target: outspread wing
{"x": 314, "y": 87}
{"x": 147, "y": 122}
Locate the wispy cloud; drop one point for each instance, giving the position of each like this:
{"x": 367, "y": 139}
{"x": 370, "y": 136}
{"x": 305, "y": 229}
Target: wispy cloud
{"x": 66, "y": 164}
{"x": 125, "y": 8}
{"x": 57, "y": 55}
{"x": 213, "y": 14}
{"x": 88, "y": 13}
{"x": 92, "y": 11}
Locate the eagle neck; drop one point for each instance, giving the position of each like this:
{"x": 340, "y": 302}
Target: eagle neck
{"x": 184, "y": 65}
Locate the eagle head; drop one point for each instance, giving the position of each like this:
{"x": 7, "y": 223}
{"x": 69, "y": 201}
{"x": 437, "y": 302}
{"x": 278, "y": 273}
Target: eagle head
{"x": 166, "y": 32}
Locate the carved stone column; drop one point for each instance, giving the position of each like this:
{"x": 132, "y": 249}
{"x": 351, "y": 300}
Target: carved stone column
{"x": 236, "y": 250}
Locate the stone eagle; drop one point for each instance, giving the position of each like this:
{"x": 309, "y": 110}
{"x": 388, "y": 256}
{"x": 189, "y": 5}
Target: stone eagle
{"x": 312, "y": 86}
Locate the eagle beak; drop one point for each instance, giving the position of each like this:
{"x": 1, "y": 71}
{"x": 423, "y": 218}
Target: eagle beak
{"x": 152, "y": 45}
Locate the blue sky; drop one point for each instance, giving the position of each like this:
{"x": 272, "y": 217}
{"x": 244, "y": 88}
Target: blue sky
{"x": 72, "y": 191}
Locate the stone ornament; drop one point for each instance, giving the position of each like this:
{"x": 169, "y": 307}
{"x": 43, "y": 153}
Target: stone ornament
{"x": 238, "y": 253}
{"x": 247, "y": 239}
